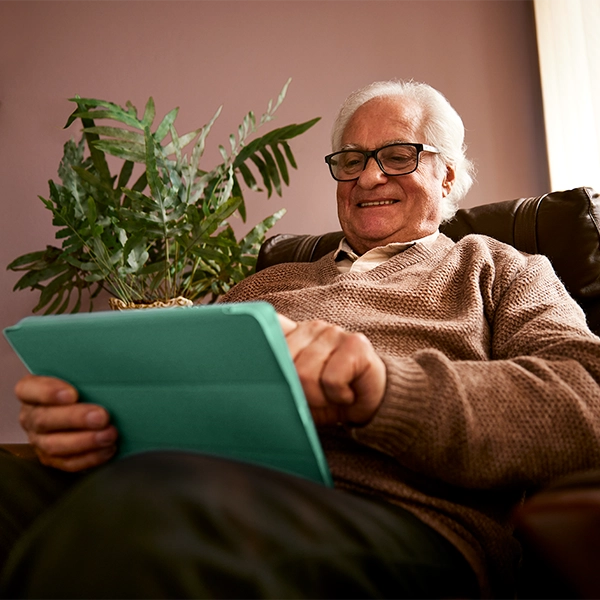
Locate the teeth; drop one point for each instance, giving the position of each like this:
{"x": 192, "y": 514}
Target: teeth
{"x": 376, "y": 203}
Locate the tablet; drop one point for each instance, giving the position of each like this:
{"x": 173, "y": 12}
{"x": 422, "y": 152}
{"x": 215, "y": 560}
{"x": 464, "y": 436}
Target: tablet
{"x": 215, "y": 379}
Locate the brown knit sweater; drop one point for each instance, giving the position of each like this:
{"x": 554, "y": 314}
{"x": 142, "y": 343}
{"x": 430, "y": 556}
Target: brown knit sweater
{"x": 493, "y": 384}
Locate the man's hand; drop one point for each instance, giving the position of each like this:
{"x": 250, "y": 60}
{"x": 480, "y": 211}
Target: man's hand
{"x": 66, "y": 434}
{"x": 342, "y": 376}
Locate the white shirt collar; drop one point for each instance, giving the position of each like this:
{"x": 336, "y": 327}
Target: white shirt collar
{"x": 348, "y": 261}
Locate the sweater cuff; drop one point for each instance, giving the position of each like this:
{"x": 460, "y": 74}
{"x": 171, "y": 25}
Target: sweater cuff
{"x": 403, "y": 410}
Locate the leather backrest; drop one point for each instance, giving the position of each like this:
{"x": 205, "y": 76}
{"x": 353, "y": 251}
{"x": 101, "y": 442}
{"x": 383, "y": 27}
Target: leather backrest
{"x": 565, "y": 226}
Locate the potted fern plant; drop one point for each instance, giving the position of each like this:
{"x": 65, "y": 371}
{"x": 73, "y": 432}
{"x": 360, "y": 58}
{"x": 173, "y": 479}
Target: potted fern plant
{"x": 157, "y": 229}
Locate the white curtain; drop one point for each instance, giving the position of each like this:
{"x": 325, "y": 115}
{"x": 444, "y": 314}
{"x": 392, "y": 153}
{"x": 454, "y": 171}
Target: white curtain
{"x": 568, "y": 34}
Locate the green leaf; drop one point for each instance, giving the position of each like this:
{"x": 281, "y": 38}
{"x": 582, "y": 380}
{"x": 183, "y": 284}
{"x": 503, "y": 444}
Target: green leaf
{"x": 125, "y": 174}
{"x": 131, "y": 109}
{"x": 200, "y": 143}
{"x": 117, "y": 133}
{"x": 270, "y": 108}
{"x": 56, "y": 286}
{"x": 275, "y": 136}
{"x": 183, "y": 141}
{"x": 262, "y": 168}
{"x": 94, "y": 102}
{"x": 281, "y": 164}
{"x": 249, "y": 179}
{"x": 91, "y": 211}
{"x": 55, "y": 305}
{"x": 149, "y": 113}
{"x": 72, "y": 117}
{"x": 97, "y": 155}
{"x": 26, "y": 259}
{"x": 121, "y": 149}
{"x": 77, "y": 306}
{"x": 175, "y": 145}
{"x": 92, "y": 277}
{"x": 152, "y": 268}
{"x": 137, "y": 257}
{"x": 141, "y": 183}
{"x": 255, "y": 237}
{"x": 154, "y": 182}
{"x": 31, "y": 279}
{"x": 213, "y": 221}
{"x": 117, "y": 114}
{"x": 165, "y": 125}
{"x": 92, "y": 179}
{"x": 271, "y": 167}
{"x": 289, "y": 155}
{"x": 236, "y": 190}
{"x": 122, "y": 235}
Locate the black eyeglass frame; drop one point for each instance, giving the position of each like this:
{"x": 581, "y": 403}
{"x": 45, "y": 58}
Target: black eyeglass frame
{"x": 373, "y": 154}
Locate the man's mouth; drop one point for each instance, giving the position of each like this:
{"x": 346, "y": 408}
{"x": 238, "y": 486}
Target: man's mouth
{"x": 376, "y": 203}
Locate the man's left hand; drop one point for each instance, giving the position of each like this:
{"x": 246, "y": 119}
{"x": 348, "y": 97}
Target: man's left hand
{"x": 342, "y": 376}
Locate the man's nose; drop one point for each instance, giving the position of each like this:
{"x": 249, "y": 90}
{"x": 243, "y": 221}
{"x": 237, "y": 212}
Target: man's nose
{"x": 371, "y": 175}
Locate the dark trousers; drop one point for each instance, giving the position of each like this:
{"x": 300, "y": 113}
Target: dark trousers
{"x": 178, "y": 525}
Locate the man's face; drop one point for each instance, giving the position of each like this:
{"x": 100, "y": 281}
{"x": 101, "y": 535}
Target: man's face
{"x": 376, "y": 209}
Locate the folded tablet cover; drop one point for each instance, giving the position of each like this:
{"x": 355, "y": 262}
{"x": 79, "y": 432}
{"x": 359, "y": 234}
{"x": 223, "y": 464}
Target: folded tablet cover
{"x": 215, "y": 379}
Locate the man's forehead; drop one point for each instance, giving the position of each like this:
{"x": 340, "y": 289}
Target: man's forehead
{"x": 397, "y": 119}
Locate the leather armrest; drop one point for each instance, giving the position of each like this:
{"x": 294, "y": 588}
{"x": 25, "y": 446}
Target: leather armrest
{"x": 559, "y": 528}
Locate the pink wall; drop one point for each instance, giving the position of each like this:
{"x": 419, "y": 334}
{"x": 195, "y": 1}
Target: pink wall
{"x": 200, "y": 54}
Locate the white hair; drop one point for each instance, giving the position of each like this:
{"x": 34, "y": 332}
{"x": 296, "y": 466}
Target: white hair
{"x": 442, "y": 128}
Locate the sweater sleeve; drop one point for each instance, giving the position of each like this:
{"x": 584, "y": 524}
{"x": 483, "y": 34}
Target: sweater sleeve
{"x": 529, "y": 414}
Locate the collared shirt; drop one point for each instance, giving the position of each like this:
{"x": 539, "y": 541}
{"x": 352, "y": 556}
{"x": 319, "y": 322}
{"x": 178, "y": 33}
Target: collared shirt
{"x": 348, "y": 261}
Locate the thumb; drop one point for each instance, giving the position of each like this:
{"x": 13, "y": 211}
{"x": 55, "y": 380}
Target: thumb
{"x": 287, "y": 325}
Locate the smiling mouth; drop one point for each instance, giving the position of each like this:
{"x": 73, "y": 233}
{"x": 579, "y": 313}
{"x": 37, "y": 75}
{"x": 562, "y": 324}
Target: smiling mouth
{"x": 376, "y": 203}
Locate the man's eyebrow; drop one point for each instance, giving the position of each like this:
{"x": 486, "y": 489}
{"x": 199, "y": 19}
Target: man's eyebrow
{"x": 388, "y": 143}
{"x": 350, "y": 147}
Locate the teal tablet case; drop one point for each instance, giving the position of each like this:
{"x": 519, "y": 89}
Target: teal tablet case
{"x": 214, "y": 379}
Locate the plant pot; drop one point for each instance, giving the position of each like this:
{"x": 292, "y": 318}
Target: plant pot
{"x": 117, "y": 304}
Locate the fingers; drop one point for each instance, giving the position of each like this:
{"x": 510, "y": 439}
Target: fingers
{"x": 75, "y": 463}
{"x": 74, "y": 451}
{"x": 46, "y": 418}
{"x": 312, "y": 345}
{"x": 72, "y": 437}
{"x": 287, "y": 325}
{"x": 355, "y": 375}
{"x": 35, "y": 389}
{"x": 66, "y": 434}
{"x": 342, "y": 376}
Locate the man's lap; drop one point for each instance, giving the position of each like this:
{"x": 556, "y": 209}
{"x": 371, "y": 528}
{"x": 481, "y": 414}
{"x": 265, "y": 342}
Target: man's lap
{"x": 183, "y": 525}
{"x": 27, "y": 489}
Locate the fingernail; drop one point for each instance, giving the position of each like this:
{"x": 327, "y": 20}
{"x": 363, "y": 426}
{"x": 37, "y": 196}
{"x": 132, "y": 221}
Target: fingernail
{"x": 66, "y": 396}
{"x": 105, "y": 438}
{"x": 95, "y": 418}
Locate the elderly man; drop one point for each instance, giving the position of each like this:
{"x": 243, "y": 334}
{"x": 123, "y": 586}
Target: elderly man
{"x": 445, "y": 378}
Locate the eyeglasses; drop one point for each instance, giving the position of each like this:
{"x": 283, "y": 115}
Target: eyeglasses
{"x": 393, "y": 159}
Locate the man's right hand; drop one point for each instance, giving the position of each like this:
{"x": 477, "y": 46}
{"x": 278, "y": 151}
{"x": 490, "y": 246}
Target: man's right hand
{"x": 66, "y": 434}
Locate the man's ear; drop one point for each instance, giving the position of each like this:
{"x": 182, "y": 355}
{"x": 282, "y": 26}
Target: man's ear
{"x": 448, "y": 180}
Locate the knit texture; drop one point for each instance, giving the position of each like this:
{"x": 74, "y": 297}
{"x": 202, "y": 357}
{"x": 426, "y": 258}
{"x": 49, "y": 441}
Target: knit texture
{"x": 492, "y": 384}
